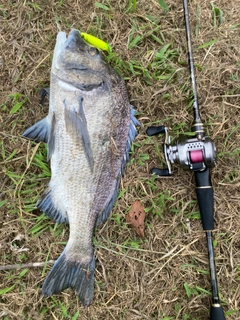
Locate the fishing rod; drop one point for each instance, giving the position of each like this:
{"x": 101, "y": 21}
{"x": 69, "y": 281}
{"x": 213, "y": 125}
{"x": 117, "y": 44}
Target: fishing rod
{"x": 199, "y": 155}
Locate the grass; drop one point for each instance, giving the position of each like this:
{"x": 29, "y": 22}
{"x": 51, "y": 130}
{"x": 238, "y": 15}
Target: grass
{"x": 165, "y": 275}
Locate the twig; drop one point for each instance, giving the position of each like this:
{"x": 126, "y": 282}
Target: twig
{"x": 46, "y": 57}
{"x": 25, "y": 265}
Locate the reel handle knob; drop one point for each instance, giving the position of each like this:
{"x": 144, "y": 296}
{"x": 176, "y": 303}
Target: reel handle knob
{"x": 216, "y": 313}
{"x": 152, "y": 131}
{"x": 160, "y": 172}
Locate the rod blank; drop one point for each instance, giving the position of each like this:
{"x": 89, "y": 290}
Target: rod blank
{"x": 204, "y": 188}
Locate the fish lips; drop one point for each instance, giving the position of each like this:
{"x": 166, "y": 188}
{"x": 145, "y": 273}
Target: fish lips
{"x": 72, "y": 42}
{"x": 75, "y": 41}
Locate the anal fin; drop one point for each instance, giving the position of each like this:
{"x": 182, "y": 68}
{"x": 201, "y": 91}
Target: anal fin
{"x": 46, "y": 204}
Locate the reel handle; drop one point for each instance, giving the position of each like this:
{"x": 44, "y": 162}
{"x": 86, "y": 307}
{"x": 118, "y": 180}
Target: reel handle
{"x": 153, "y": 131}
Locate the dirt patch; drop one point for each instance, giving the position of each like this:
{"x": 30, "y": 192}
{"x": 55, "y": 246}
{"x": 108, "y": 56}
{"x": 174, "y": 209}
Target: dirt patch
{"x": 165, "y": 275}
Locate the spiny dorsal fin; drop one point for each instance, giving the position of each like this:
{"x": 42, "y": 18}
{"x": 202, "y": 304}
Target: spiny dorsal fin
{"x": 39, "y": 132}
{"x": 106, "y": 212}
{"x": 132, "y": 132}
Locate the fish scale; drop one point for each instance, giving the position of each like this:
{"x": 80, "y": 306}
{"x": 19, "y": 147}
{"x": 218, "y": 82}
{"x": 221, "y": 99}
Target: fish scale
{"x": 89, "y": 130}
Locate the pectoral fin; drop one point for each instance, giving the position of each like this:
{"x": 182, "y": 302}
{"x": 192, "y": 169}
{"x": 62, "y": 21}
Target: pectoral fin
{"x": 39, "y": 132}
{"x": 43, "y": 131}
{"x": 51, "y": 137}
{"x": 76, "y": 125}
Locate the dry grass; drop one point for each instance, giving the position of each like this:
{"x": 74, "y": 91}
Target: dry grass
{"x": 135, "y": 278}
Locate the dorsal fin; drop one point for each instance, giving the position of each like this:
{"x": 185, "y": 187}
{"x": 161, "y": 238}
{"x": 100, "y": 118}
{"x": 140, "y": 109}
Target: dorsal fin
{"x": 132, "y": 132}
{"x": 106, "y": 212}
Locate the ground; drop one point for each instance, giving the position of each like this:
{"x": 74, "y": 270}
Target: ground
{"x": 165, "y": 275}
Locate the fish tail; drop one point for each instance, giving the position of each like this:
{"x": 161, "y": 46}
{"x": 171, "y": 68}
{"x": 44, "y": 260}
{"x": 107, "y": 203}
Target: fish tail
{"x": 66, "y": 273}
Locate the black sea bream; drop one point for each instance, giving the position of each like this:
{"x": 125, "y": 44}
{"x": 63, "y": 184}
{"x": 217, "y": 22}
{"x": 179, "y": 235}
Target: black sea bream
{"x": 89, "y": 130}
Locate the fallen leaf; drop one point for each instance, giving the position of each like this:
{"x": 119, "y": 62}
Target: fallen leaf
{"x": 135, "y": 218}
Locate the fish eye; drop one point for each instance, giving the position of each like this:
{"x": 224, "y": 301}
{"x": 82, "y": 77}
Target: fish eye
{"x": 93, "y": 51}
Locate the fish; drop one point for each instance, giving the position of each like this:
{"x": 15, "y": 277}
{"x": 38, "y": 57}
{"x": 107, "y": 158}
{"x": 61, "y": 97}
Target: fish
{"x": 89, "y": 129}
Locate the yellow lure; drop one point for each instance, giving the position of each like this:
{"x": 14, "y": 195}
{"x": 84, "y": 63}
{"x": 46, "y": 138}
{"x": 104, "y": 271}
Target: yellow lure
{"x": 97, "y": 43}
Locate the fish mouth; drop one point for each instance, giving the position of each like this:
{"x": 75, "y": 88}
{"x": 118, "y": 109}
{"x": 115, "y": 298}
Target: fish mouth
{"x": 74, "y": 40}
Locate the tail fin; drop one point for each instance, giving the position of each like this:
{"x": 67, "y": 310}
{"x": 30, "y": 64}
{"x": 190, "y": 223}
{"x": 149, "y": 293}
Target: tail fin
{"x": 66, "y": 273}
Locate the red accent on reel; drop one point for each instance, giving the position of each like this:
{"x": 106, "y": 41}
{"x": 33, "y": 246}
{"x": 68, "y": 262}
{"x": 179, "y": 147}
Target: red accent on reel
{"x": 196, "y": 156}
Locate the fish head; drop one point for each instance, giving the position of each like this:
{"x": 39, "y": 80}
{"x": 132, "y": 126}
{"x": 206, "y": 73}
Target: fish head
{"x": 79, "y": 64}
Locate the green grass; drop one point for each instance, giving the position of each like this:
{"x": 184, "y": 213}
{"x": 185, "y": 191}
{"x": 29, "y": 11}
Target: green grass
{"x": 6, "y": 290}
{"x": 17, "y": 100}
{"x": 163, "y": 5}
{"x": 217, "y": 15}
{"x": 150, "y": 53}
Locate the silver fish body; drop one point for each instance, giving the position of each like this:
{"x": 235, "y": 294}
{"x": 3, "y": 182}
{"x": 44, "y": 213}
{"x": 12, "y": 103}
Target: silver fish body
{"x": 89, "y": 130}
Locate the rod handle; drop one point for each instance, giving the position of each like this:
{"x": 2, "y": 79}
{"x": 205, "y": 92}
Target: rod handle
{"x": 204, "y": 191}
{"x": 216, "y": 313}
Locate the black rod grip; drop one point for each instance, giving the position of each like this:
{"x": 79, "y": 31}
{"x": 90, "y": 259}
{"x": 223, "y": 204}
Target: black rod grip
{"x": 216, "y": 313}
{"x": 204, "y": 192}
